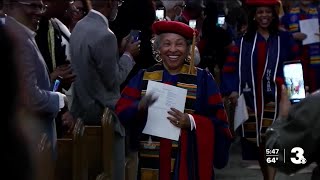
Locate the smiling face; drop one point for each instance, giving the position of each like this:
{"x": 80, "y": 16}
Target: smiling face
{"x": 263, "y": 17}
{"x": 29, "y": 12}
{"x": 173, "y": 51}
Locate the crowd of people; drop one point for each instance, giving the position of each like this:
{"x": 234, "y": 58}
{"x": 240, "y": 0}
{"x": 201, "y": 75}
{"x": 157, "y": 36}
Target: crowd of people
{"x": 70, "y": 60}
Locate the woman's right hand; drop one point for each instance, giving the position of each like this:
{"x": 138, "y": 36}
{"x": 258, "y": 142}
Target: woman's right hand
{"x": 146, "y": 102}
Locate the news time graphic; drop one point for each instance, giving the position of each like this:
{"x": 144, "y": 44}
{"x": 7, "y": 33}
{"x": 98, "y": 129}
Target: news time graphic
{"x": 272, "y": 155}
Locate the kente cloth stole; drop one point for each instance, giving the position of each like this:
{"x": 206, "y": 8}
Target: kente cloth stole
{"x": 150, "y": 148}
{"x": 185, "y": 81}
{"x": 254, "y": 128}
{"x": 314, "y": 49}
{"x": 51, "y": 45}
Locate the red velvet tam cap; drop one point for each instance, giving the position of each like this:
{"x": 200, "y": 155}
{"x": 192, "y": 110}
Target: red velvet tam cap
{"x": 262, "y": 2}
{"x": 180, "y": 28}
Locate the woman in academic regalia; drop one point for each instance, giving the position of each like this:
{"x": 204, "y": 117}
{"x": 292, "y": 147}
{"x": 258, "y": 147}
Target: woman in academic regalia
{"x": 205, "y": 137}
{"x": 254, "y": 68}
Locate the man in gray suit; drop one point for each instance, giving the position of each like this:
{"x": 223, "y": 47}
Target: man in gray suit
{"x": 22, "y": 21}
{"x": 100, "y": 71}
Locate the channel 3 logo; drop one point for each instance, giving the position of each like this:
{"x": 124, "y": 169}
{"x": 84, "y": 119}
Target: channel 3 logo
{"x": 299, "y": 158}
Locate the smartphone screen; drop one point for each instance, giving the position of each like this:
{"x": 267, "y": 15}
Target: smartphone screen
{"x": 135, "y": 35}
{"x": 221, "y": 20}
{"x": 160, "y": 14}
{"x": 56, "y": 85}
{"x": 193, "y": 23}
{"x": 293, "y": 74}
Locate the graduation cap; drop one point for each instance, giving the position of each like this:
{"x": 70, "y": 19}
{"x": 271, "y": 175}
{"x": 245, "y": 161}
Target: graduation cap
{"x": 182, "y": 29}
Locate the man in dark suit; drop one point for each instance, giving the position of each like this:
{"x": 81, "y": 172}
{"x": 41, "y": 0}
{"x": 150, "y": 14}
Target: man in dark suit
{"x": 100, "y": 71}
{"x": 52, "y": 39}
{"x": 2, "y": 15}
{"x": 23, "y": 20}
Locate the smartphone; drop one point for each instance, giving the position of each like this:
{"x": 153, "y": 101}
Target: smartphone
{"x": 56, "y": 84}
{"x": 193, "y": 23}
{"x": 135, "y": 34}
{"x": 293, "y": 74}
{"x": 221, "y": 20}
{"x": 160, "y": 14}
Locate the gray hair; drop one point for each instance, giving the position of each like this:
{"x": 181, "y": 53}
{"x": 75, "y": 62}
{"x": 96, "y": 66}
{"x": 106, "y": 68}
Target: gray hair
{"x": 169, "y": 4}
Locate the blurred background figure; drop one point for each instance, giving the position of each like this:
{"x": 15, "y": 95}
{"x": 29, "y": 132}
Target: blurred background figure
{"x": 52, "y": 29}
{"x": 236, "y": 20}
{"x": 173, "y": 9}
{"x": 193, "y": 10}
{"x": 136, "y": 15}
{"x": 76, "y": 11}
{"x": 18, "y": 153}
{"x": 25, "y": 130}
{"x": 2, "y": 15}
{"x": 214, "y": 42}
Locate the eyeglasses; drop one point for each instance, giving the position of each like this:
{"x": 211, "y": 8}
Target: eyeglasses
{"x": 41, "y": 7}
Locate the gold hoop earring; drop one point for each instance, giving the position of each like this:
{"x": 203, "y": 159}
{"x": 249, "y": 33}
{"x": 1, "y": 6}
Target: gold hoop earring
{"x": 188, "y": 59}
{"x": 157, "y": 56}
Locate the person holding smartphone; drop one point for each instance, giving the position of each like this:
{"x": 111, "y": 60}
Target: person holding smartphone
{"x": 214, "y": 42}
{"x": 284, "y": 134}
{"x": 305, "y": 10}
{"x": 173, "y": 9}
{"x": 53, "y": 42}
{"x": 254, "y": 69}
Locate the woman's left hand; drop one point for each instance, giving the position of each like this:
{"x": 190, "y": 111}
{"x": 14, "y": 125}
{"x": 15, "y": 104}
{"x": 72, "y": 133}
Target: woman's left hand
{"x": 179, "y": 119}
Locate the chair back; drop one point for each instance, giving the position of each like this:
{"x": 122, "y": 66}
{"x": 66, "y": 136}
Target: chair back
{"x": 45, "y": 163}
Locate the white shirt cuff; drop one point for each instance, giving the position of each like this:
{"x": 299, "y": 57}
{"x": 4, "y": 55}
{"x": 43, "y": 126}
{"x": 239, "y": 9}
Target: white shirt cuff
{"x": 130, "y": 56}
{"x": 62, "y": 97}
{"x": 192, "y": 122}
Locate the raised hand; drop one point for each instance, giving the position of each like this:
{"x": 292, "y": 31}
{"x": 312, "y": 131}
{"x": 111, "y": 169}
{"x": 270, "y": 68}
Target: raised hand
{"x": 146, "y": 102}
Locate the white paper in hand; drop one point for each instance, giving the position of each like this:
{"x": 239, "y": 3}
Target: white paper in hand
{"x": 168, "y": 97}
{"x": 241, "y": 112}
{"x": 310, "y": 27}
